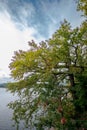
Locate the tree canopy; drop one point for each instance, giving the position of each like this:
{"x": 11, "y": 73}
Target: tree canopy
{"x": 51, "y": 81}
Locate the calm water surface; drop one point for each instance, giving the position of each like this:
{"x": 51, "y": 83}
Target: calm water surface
{"x": 5, "y": 112}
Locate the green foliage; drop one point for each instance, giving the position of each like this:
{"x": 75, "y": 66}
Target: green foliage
{"x": 82, "y": 5}
{"x": 52, "y": 75}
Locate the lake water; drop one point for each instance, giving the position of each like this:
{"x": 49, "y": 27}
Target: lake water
{"x": 5, "y": 112}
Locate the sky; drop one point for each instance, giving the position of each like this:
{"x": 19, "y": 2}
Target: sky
{"x": 25, "y": 20}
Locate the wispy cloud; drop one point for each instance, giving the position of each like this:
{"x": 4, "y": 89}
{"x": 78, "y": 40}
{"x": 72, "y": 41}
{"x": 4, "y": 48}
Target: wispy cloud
{"x": 12, "y": 39}
{"x": 43, "y": 15}
{"x": 58, "y": 10}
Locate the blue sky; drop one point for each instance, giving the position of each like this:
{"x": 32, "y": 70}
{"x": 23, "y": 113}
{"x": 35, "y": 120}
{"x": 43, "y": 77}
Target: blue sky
{"x": 24, "y": 20}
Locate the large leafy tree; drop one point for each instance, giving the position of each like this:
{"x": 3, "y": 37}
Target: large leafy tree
{"x": 51, "y": 81}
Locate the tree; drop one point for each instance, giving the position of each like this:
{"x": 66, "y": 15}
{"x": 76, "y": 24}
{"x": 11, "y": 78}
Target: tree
{"x": 82, "y": 5}
{"x": 51, "y": 81}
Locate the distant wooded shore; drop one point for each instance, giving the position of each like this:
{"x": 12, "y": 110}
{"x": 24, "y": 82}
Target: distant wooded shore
{"x": 3, "y": 85}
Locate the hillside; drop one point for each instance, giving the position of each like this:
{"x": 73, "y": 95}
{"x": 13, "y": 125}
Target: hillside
{"x": 4, "y": 81}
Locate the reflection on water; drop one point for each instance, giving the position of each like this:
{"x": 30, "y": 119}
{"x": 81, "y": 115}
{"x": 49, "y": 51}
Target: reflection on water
{"x": 5, "y": 112}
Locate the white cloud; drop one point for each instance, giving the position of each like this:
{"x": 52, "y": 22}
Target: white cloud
{"x": 12, "y": 39}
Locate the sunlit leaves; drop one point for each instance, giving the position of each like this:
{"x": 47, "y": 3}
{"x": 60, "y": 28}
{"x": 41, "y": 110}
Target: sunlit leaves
{"x": 82, "y": 5}
{"x": 47, "y": 75}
